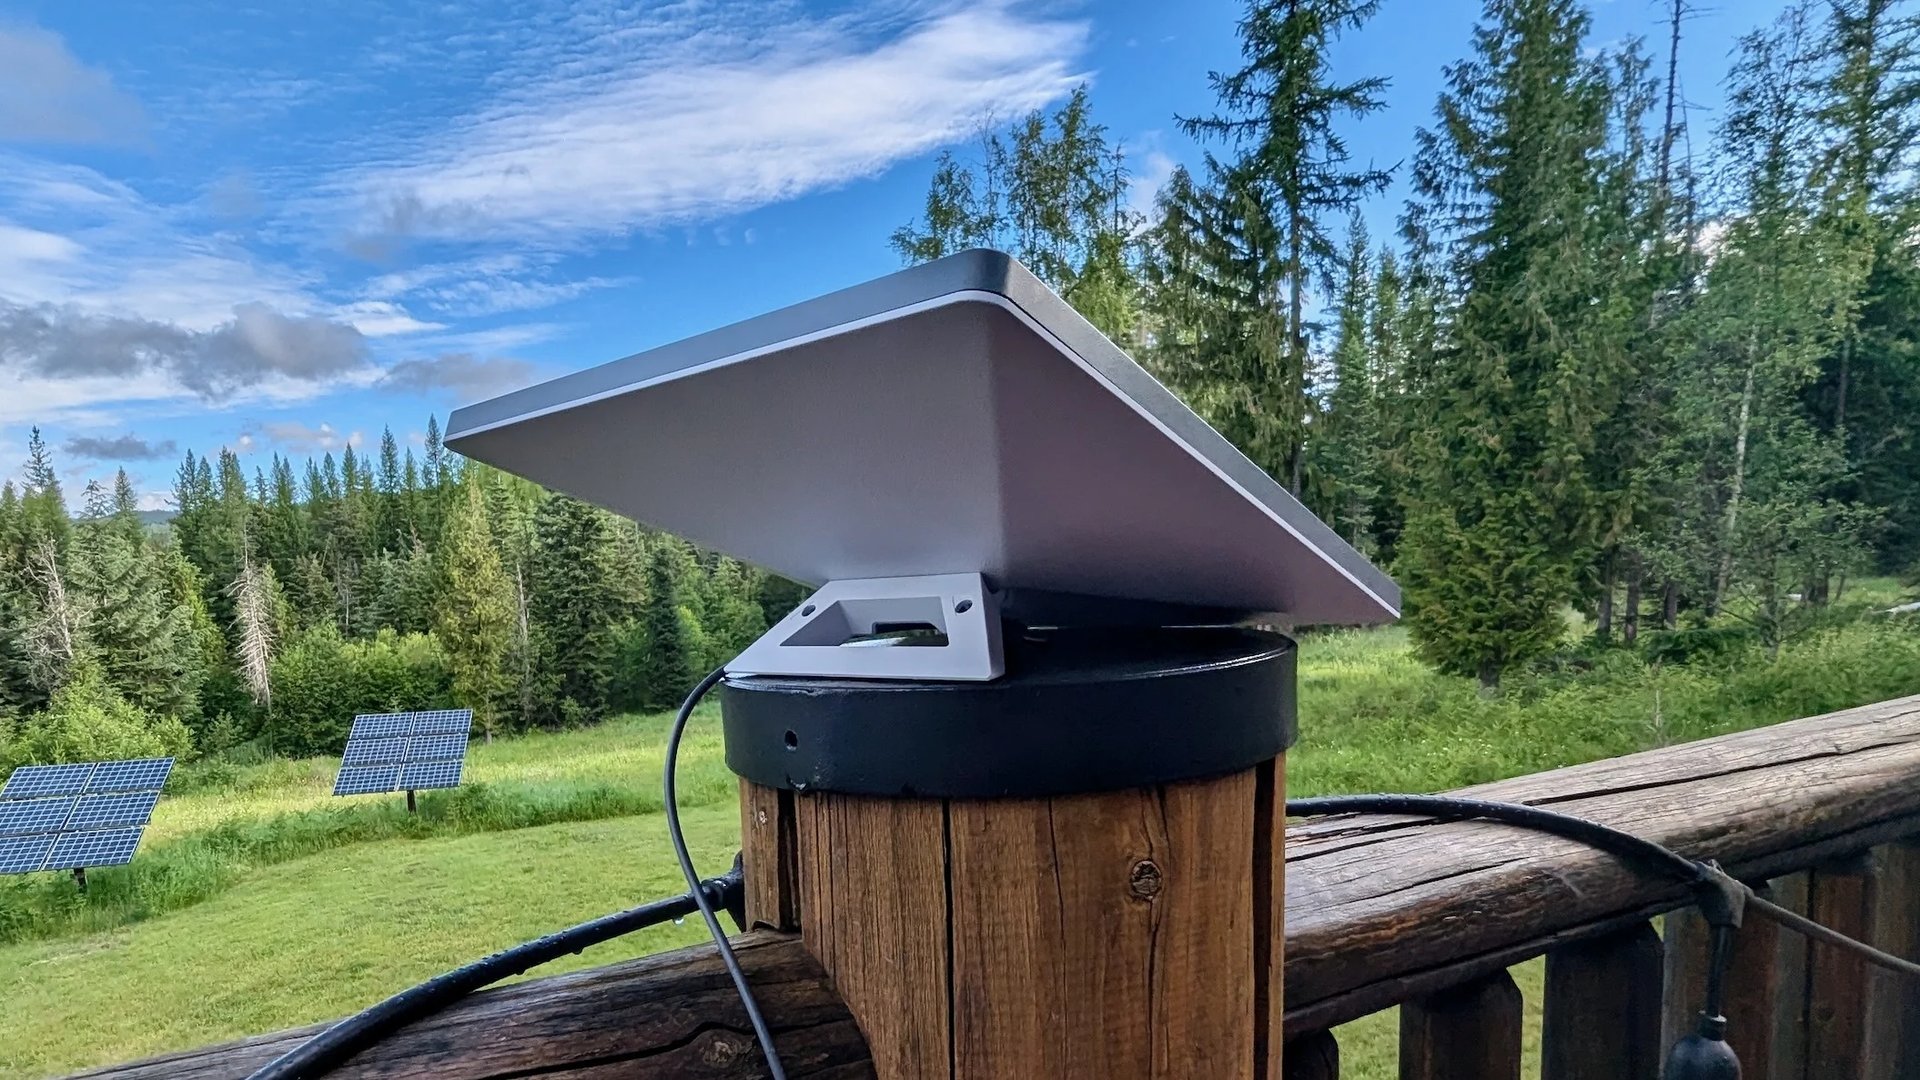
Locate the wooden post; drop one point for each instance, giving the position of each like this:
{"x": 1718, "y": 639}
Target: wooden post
{"x": 1112, "y": 936}
{"x": 1470, "y": 1032}
{"x": 1602, "y": 1008}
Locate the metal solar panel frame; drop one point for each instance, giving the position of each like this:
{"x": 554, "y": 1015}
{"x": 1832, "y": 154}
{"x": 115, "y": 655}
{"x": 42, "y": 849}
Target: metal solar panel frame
{"x": 41, "y": 781}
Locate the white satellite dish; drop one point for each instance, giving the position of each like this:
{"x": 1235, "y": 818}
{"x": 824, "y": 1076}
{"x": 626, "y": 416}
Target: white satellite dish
{"x": 955, "y": 420}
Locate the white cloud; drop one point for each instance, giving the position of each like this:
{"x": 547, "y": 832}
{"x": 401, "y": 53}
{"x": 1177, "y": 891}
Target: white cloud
{"x": 464, "y": 375}
{"x": 683, "y": 119}
{"x": 382, "y": 318}
{"x": 48, "y": 95}
{"x": 1155, "y": 170}
{"x": 300, "y": 438}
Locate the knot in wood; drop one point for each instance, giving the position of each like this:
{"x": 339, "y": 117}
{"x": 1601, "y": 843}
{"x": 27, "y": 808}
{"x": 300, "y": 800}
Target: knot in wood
{"x": 1144, "y": 879}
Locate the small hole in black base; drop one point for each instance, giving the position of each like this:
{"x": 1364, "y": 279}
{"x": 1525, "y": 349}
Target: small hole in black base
{"x": 793, "y": 741}
{"x": 808, "y": 610}
{"x": 963, "y": 607}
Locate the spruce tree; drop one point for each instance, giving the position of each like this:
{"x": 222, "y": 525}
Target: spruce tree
{"x": 574, "y": 604}
{"x": 1345, "y": 451}
{"x": 1291, "y": 169}
{"x": 671, "y": 634}
{"x": 1523, "y": 373}
{"x": 474, "y": 612}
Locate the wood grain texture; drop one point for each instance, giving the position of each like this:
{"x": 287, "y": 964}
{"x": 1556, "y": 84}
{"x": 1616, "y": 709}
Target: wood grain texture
{"x": 769, "y": 848}
{"x": 1313, "y": 1056}
{"x": 1470, "y": 1032}
{"x": 1270, "y": 920}
{"x": 1786, "y": 1056}
{"x": 673, "y": 1015}
{"x": 1894, "y": 1001}
{"x": 1602, "y": 1009}
{"x": 1840, "y": 895}
{"x": 1105, "y": 935}
{"x": 873, "y": 909}
{"x": 1383, "y": 909}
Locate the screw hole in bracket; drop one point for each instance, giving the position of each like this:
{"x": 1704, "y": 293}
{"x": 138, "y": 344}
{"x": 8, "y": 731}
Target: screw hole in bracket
{"x": 793, "y": 741}
{"x": 963, "y": 607}
{"x": 808, "y": 610}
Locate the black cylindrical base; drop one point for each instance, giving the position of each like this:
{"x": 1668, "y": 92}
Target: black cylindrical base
{"x": 1077, "y": 711}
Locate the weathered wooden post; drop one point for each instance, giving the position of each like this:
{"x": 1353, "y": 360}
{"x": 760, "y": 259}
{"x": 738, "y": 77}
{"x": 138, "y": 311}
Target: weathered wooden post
{"x": 1015, "y": 772}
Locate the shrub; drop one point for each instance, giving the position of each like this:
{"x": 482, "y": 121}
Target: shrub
{"x": 321, "y": 680}
{"x": 88, "y": 720}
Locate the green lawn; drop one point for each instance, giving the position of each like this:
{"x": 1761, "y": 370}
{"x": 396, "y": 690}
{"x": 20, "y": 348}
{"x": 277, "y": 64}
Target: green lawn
{"x": 260, "y": 902}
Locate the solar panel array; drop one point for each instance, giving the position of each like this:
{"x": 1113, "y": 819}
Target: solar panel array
{"x": 69, "y": 817}
{"x": 408, "y": 751}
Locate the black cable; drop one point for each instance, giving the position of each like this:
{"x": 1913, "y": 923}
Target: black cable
{"x": 679, "y": 841}
{"x": 1703, "y": 876}
{"x": 334, "y": 1046}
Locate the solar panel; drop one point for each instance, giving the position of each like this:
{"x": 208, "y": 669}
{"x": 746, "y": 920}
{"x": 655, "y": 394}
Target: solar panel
{"x": 22, "y": 817}
{"x": 366, "y": 779}
{"x": 374, "y": 751}
{"x": 38, "y": 781}
{"x": 443, "y": 721}
{"x": 381, "y": 726}
{"x": 145, "y": 774}
{"x": 430, "y": 774}
{"x": 110, "y": 847}
{"x": 24, "y": 854}
{"x": 437, "y": 748}
{"x": 404, "y": 751}
{"x": 69, "y": 817}
{"x": 112, "y": 810}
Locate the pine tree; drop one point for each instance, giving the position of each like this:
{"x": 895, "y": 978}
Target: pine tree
{"x": 1523, "y": 373}
{"x": 474, "y": 617}
{"x": 1292, "y": 167}
{"x": 674, "y": 649}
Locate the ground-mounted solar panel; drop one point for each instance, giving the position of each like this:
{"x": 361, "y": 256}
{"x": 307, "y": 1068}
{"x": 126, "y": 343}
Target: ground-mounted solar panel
{"x": 422, "y": 775}
{"x": 366, "y": 779}
{"x": 408, "y": 752}
{"x": 24, "y": 854}
{"x": 145, "y": 774}
{"x": 437, "y": 747}
{"x": 381, "y": 726}
{"x": 107, "y": 847}
{"x": 443, "y": 722}
{"x": 112, "y": 810}
{"x": 70, "y": 817}
{"x": 375, "y": 752}
{"x": 38, "y": 781}
{"x": 25, "y": 817}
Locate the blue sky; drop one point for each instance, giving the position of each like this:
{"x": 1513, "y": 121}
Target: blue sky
{"x": 282, "y": 227}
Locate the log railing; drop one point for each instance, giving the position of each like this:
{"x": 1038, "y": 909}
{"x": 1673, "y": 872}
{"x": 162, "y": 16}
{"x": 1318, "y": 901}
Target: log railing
{"x": 1429, "y": 916}
{"x": 1382, "y": 912}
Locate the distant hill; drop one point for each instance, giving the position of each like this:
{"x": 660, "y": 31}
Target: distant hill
{"x": 151, "y": 518}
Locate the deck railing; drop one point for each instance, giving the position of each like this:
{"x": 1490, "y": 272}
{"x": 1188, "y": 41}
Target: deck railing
{"x": 1824, "y": 813}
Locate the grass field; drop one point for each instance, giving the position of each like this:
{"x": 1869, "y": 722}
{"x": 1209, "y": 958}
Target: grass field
{"x": 260, "y": 902}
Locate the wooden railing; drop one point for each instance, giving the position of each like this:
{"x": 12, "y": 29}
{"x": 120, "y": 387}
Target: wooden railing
{"x": 1382, "y": 912}
{"x": 1430, "y": 916}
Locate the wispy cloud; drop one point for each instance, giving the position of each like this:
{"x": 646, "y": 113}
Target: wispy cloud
{"x": 463, "y": 375}
{"x": 299, "y": 438}
{"x": 47, "y": 95}
{"x": 678, "y": 118}
{"x": 119, "y": 448}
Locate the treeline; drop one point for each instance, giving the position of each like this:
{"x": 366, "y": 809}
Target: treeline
{"x": 273, "y": 608}
{"x": 1662, "y": 376}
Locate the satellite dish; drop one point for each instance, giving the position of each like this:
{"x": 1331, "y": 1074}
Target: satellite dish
{"x": 956, "y": 418}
